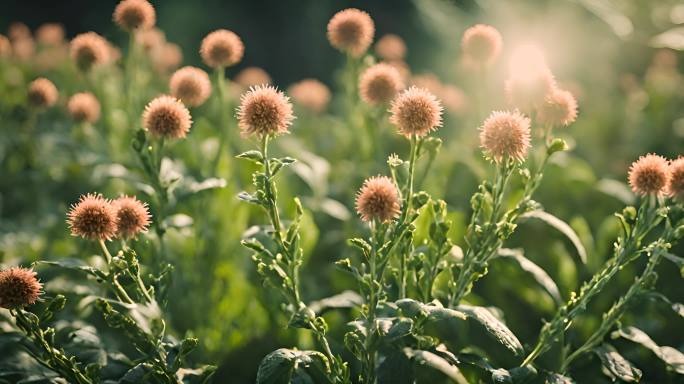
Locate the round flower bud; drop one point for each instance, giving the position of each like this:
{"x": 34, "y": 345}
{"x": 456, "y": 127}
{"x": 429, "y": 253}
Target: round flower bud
{"x": 222, "y": 48}
{"x": 391, "y": 48}
{"x": 19, "y": 287}
{"x": 675, "y": 187}
{"x": 481, "y": 44}
{"x": 89, "y": 49}
{"x": 416, "y": 111}
{"x": 379, "y": 84}
{"x": 93, "y": 218}
{"x": 378, "y": 199}
{"x": 132, "y": 215}
{"x": 42, "y": 93}
{"x": 506, "y": 135}
{"x": 558, "y": 109}
{"x": 310, "y": 94}
{"x": 191, "y": 85}
{"x": 166, "y": 117}
{"x": 134, "y": 14}
{"x": 650, "y": 175}
{"x": 264, "y": 111}
{"x": 84, "y": 107}
{"x": 351, "y": 31}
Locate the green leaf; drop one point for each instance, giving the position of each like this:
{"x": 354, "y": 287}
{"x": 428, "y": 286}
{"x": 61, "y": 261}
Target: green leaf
{"x": 671, "y": 356}
{"x": 513, "y": 376}
{"x": 678, "y": 261}
{"x": 533, "y": 269}
{"x": 494, "y": 326}
{"x": 616, "y": 365}
{"x": 278, "y": 366}
{"x": 252, "y": 155}
{"x": 562, "y": 227}
{"x": 557, "y": 378}
{"x": 346, "y": 299}
{"x": 76, "y": 265}
{"x": 395, "y": 368}
{"x": 436, "y": 362}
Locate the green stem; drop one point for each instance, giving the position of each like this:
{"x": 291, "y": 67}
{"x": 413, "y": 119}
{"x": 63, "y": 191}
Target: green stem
{"x": 223, "y": 121}
{"x": 407, "y": 210}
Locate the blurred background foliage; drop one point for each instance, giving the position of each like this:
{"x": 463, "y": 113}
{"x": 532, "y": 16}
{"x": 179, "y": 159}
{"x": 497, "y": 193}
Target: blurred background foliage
{"x": 621, "y": 59}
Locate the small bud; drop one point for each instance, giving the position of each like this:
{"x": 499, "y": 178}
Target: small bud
{"x": 629, "y": 213}
{"x": 557, "y": 145}
{"x": 421, "y": 198}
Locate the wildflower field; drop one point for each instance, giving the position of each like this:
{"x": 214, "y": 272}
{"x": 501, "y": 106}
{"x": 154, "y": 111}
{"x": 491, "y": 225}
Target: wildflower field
{"x": 423, "y": 191}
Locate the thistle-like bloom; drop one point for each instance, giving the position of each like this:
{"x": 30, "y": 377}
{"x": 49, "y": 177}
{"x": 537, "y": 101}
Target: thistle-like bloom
{"x": 252, "y": 76}
{"x": 675, "y": 188}
{"x": 416, "y": 111}
{"x": 191, "y": 85}
{"x": 84, "y": 107}
{"x": 506, "y": 135}
{"x": 134, "y": 14}
{"x": 19, "y": 287}
{"x": 530, "y": 91}
{"x": 558, "y": 109}
{"x": 167, "y": 57}
{"x": 42, "y": 93}
{"x": 18, "y": 30}
{"x": 133, "y": 217}
{"x": 5, "y": 47}
{"x": 222, "y": 48}
{"x": 351, "y": 31}
{"x": 379, "y": 84}
{"x": 391, "y": 47}
{"x": 89, "y": 49}
{"x": 24, "y": 49}
{"x": 50, "y": 34}
{"x": 481, "y": 44}
{"x": 310, "y": 94}
{"x": 264, "y": 111}
{"x": 650, "y": 175}
{"x": 378, "y": 199}
{"x": 166, "y": 117}
{"x": 93, "y": 218}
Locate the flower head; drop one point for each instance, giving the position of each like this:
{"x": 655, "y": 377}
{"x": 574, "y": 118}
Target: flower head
{"x": 191, "y": 85}
{"x": 89, "y": 49}
{"x": 132, "y": 215}
{"x": 481, "y": 44}
{"x": 675, "y": 188}
{"x": 506, "y": 135}
{"x": 42, "y": 93}
{"x": 391, "y": 47}
{"x": 18, "y": 30}
{"x": 416, "y": 111}
{"x": 84, "y": 107}
{"x": 351, "y": 31}
{"x": 378, "y": 199}
{"x": 530, "y": 91}
{"x": 166, "y": 117}
{"x": 311, "y": 94}
{"x": 649, "y": 175}
{"x": 5, "y": 47}
{"x": 93, "y": 218}
{"x": 134, "y": 14}
{"x": 379, "y": 84}
{"x": 19, "y": 287}
{"x": 252, "y": 76}
{"x": 264, "y": 111}
{"x": 221, "y": 48}
{"x": 167, "y": 57}
{"x": 50, "y": 34}
{"x": 558, "y": 109}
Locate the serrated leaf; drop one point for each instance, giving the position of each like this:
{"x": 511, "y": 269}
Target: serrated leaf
{"x": 562, "y": 227}
{"x": 76, "y": 265}
{"x": 436, "y": 362}
{"x": 346, "y": 299}
{"x": 536, "y": 271}
{"x": 278, "y": 366}
{"x": 252, "y": 155}
{"x": 617, "y": 365}
{"x": 494, "y": 326}
{"x": 671, "y": 356}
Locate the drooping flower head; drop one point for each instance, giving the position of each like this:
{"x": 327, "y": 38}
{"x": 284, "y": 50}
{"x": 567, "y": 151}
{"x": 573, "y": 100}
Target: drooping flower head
{"x": 19, "y": 287}
{"x": 42, "y": 93}
{"x": 84, "y": 107}
{"x": 649, "y": 175}
{"x": 310, "y": 94}
{"x": 51, "y": 34}
{"x": 351, "y": 31}
{"x": 481, "y": 44}
{"x": 416, "y": 111}
{"x": 379, "y": 84}
{"x": 133, "y": 217}
{"x": 558, "y": 109}
{"x": 252, "y": 76}
{"x": 675, "y": 188}
{"x": 378, "y": 199}
{"x": 191, "y": 85}
{"x": 166, "y": 117}
{"x": 222, "y": 48}
{"x": 263, "y": 111}
{"x": 506, "y": 135}
{"x": 391, "y": 47}
{"x": 134, "y": 14}
{"x": 93, "y": 218}
{"x": 89, "y": 49}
